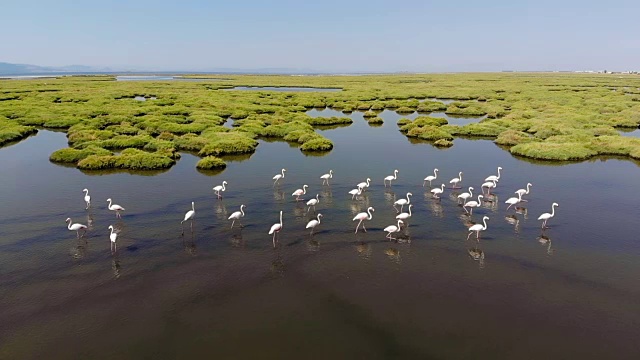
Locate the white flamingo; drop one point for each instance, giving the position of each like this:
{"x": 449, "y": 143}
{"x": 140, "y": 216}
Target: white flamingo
{"x": 299, "y": 192}
{"x": 393, "y": 229}
{"x": 355, "y": 192}
{"x": 116, "y": 208}
{"x": 279, "y": 176}
{"x": 363, "y": 216}
{"x": 547, "y": 216}
{"x": 313, "y": 202}
{"x": 478, "y": 227}
{"x": 313, "y": 223}
{"x": 402, "y": 202}
{"x": 404, "y": 215}
{"x": 237, "y": 215}
{"x": 76, "y": 227}
{"x": 113, "y": 236}
{"x": 455, "y": 181}
{"x": 219, "y": 188}
{"x": 275, "y": 229}
{"x": 523, "y": 192}
{"x": 325, "y": 178}
{"x": 390, "y": 178}
{"x": 465, "y": 196}
{"x": 87, "y": 198}
{"x": 364, "y": 185}
{"x": 472, "y": 204}
{"x": 513, "y": 200}
{"x": 494, "y": 177}
{"x": 437, "y": 191}
{"x": 430, "y": 178}
{"x": 189, "y": 216}
{"x": 489, "y": 185}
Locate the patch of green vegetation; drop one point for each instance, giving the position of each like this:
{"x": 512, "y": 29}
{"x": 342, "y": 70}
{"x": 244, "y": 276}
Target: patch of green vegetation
{"x": 374, "y": 120}
{"x": 513, "y": 137}
{"x": 553, "y": 151}
{"x": 72, "y": 156}
{"x": 443, "y": 143}
{"x": 328, "y": 121}
{"x": 129, "y": 159}
{"x": 431, "y": 106}
{"x": 10, "y": 131}
{"x": 221, "y": 143}
{"x": 466, "y": 109}
{"x": 405, "y": 110}
{"x": 210, "y": 163}
{"x": 429, "y": 132}
{"x": 317, "y": 144}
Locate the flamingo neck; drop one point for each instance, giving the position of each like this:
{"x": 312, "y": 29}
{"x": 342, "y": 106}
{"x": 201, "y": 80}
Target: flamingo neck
{"x": 435, "y": 173}
{"x": 409, "y": 210}
{"x": 553, "y": 210}
{"x": 280, "y": 218}
{"x": 109, "y": 204}
{"x": 528, "y": 185}
{"x": 282, "y": 172}
{"x": 484, "y": 221}
{"x": 470, "y": 193}
{"x": 498, "y": 173}
{"x": 318, "y": 218}
{"x": 370, "y": 216}
{"x": 479, "y": 197}
{"x": 69, "y": 225}
{"x": 399, "y": 221}
{"x": 223, "y": 189}
{"x": 242, "y": 211}
{"x": 193, "y": 207}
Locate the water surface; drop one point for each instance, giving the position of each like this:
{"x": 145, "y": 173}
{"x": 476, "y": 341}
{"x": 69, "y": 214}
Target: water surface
{"x": 570, "y": 292}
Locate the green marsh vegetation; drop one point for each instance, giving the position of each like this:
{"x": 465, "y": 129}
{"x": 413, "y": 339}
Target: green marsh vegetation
{"x": 552, "y": 117}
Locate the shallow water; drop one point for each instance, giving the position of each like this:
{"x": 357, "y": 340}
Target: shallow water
{"x": 569, "y": 292}
{"x": 630, "y": 132}
{"x": 393, "y": 117}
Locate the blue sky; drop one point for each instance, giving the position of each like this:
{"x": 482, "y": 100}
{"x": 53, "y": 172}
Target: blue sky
{"x": 335, "y": 36}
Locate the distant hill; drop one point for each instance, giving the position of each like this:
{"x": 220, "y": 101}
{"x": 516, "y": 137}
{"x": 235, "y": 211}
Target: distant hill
{"x": 26, "y": 69}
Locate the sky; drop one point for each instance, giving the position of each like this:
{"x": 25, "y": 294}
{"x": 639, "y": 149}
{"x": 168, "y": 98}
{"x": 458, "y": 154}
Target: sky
{"x": 326, "y": 36}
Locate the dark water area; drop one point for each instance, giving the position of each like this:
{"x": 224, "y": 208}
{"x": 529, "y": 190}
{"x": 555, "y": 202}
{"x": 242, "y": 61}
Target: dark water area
{"x": 282, "y": 89}
{"x": 571, "y": 291}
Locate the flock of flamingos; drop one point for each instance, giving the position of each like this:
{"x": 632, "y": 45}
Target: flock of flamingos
{"x": 466, "y": 199}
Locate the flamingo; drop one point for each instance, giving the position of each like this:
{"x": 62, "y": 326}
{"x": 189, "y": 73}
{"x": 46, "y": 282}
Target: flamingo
{"x": 455, "y": 181}
{"x": 325, "y": 178}
{"x": 402, "y": 202}
{"x": 513, "y": 200}
{"x": 392, "y": 229}
{"x": 523, "y": 192}
{"x": 275, "y": 229}
{"x": 547, "y": 216}
{"x": 465, "y": 196}
{"x": 478, "y": 227}
{"x": 437, "y": 191}
{"x": 363, "y": 185}
{"x": 390, "y": 178}
{"x": 113, "y": 236}
{"x": 494, "y": 177}
{"x": 116, "y": 208}
{"x": 76, "y": 227}
{"x": 278, "y": 177}
{"x": 189, "y": 216}
{"x": 489, "y": 185}
{"x": 299, "y": 192}
{"x": 472, "y": 204}
{"x": 363, "y": 216}
{"x": 313, "y": 202}
{"x": 219, "y": 188}
{"x": 430, "y": 178}
{"x": 313, "y": 223}
{"x": 87, "y": 198}
{"x": 404, "y": 215}
{"x": 237, "y": 215}
{"x": 355, "y": 192}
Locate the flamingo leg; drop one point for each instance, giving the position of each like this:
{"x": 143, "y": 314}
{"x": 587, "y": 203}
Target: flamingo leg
{"x": 233, "y": 222}
{"x": 182, "y": 225}
{"x": 470, "y": 232}
{"x": 364, "y": 228}
{"x": 471, "y": 213}
{"x": 509, "y": 206}
{"x": 274, "y": 239}
{"x": 465, "y": 209}
{"x": 358, "y": 226}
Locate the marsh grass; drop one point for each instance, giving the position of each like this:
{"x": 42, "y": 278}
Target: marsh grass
{"x": 544, "y": 116}
{"x": 211, "y": 163}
